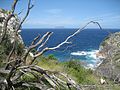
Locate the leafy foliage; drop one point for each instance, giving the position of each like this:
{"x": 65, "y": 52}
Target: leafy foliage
{"x": 77, "y": 71}
{"x": 51, "y": 57}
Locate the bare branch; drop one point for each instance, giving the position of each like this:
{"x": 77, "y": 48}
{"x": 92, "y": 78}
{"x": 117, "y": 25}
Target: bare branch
{"x": 13, "y": 6}
{"x": 41, "y": 40}
{"x": 47, "y": 36}
{"x": 45, "y": 41}
{"x": 40, "y": 53}
{"x": 11, "y": 52}
{"x": 20, "y": 12}
{"x": 65, "y": 48}
{"x": 35, "y": 39}
{"x": 3, "y": 71}
{"x": 35, "y": 45}
{"x": 66, "y": 41}
{"x": 78, "y": 31}
{"x": 27, "y": 13}
{"x": 50, "y": 76}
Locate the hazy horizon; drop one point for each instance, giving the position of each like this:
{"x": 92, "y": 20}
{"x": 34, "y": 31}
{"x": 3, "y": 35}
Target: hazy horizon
{"x": 66, "y": 28}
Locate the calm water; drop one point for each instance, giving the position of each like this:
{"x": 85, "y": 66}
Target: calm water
{"x": 86, "y": 43}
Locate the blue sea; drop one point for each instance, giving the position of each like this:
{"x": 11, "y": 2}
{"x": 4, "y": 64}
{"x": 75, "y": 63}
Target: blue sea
{"x": 84, "y": 45}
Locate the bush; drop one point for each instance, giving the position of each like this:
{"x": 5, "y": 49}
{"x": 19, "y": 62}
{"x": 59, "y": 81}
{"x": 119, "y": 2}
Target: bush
{"x": 51, "y": 57}
{"x": 76, "y": 70}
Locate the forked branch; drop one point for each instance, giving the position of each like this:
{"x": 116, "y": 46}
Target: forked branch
{"x": 29, "y": 7}
{"x": 34, "y": 45}
{"x": 66, "y": 41}
{"x": 14, "y": 5}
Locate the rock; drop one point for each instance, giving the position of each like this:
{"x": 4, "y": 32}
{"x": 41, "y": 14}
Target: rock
{"x": 110, "y": 48}
{"x": 100, "y": 55}
{"x": 102, "y": 81}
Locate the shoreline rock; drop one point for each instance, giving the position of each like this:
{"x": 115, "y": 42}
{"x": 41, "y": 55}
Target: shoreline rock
{"x": 110, "y": 50}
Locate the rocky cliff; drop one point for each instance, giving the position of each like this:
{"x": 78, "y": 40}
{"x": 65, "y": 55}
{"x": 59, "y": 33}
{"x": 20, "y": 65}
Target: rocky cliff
{"x": 110, "y": 48}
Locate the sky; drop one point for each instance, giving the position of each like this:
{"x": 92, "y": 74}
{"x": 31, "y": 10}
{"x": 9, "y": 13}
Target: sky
{"x": 68, "y": 13}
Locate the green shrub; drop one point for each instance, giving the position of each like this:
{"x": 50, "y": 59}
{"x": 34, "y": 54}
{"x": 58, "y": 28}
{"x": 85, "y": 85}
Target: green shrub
{"x": 28, "y": 77}
{"x": 51, "y": 57}
{"x": 81, "y": 74}
{"x": 75, "y": 64}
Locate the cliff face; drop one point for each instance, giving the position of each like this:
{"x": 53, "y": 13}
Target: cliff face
{"x": 110, "y": 66}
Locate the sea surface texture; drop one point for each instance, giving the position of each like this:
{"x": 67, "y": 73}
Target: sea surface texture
{"x": 83, "y": 47}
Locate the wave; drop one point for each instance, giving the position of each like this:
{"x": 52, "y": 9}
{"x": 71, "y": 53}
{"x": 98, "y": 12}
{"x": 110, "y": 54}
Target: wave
{"x": 91, "y": 53}
{"x": 79, "y": 53}
{"x": 91, "y": 58}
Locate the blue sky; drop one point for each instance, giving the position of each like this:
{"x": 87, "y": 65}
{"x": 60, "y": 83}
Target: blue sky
{"x": 68, "y": 13}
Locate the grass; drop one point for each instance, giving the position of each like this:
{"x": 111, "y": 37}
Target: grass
{"x": 73, "y": 68}
{"x": 49, "y": 63}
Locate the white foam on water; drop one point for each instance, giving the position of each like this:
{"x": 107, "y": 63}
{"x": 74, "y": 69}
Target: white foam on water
{"x": 90, "y": 66}
{"x": 79, "y": 53}
{"x": 90, "y": 56}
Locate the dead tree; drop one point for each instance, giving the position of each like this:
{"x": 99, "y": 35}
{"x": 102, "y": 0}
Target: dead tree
{"x": 20, "y": 67}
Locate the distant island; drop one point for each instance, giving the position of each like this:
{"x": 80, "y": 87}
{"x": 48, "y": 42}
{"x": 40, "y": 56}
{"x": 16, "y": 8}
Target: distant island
{"x": 60, "y": 27}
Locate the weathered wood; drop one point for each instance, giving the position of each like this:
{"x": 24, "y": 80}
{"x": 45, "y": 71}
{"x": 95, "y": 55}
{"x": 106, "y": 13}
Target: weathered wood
{"x": 3, "y": 71}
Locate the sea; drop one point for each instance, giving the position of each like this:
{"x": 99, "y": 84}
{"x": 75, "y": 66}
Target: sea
{"x": 83, "y": 46}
